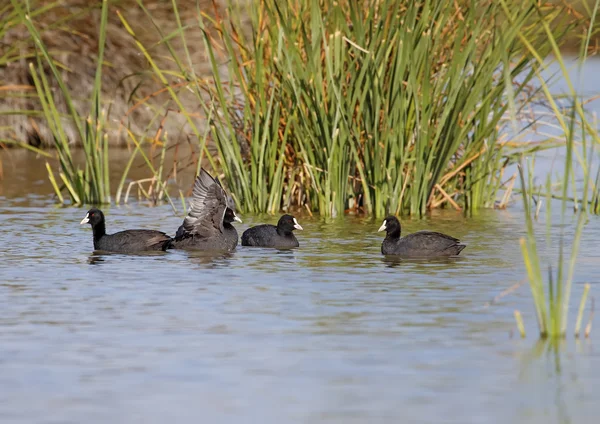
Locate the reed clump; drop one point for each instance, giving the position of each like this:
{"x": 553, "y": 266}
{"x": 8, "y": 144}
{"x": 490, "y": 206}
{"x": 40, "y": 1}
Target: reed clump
{"x": 551, "y": 297}
{"x": 70, "y": 31}
{"x": 89, "y": 182}
{"x": 391, "y": 106}
{"x": 384, "y": 107}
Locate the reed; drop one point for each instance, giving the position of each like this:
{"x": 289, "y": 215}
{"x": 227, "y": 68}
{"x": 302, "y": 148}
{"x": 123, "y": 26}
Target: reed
{"x": 157, "y": 190}
{"x": 392, "y": 106}
{"x": 552, "y": 303}
{"x": 87, "y": 183}
{"x": 551, "y": 296}
{"x": 380, "y": 107}
{"x": 9, "y": 18}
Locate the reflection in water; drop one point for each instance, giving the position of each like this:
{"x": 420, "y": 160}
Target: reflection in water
{"x": 332, "y": 331}
{"x": 214, "y": 259}
{"x": 285, "y": 253}
{"x": 99, "y": 256}
{"x": 544, "y": 361}
{"x": 549, "y": 349}
{"x": 95, "y": 259}
{"x": 392, "y": 261}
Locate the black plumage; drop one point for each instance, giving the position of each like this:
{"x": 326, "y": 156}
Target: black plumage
{"x": 208, "y": 223}
{"x": 422, "y": 244}
{"x": 266, "y": 235}
{"x": 128, "y": 241}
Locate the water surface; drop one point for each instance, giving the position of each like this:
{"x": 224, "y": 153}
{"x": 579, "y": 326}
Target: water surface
{"x": 331, "y": 332}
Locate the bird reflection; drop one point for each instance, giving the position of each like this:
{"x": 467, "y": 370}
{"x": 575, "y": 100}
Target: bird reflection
{"x": 285, "y": 253}
{"x": 210, "y": 259}
{"x": 393, "y": 261}
{"x": 99, "y": 256}
{"x": 95, "y": 259}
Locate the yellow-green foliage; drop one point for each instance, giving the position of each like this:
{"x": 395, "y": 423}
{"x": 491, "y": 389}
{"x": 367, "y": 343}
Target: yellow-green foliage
{"x": 391, "y": 105}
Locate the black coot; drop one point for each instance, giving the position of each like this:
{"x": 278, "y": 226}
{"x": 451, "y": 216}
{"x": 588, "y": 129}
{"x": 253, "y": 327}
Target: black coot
{"x": 280, "y": 236}
{"x": 208, "y": 223}
{"x": 128, "y": 241}
{"x": 422, "y": 244}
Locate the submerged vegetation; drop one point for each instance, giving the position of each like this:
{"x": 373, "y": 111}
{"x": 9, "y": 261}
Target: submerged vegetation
{"x": 378, "y": 107}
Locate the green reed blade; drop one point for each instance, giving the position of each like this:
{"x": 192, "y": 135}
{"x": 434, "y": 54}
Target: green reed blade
{"x": 53, "y": 182}
{"x": 584, "y": 296}
{"x": 72, "y": 191}
{"x": 520, "y": 325}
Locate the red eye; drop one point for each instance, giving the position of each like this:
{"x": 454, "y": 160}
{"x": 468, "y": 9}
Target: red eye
{"x": 92, "y": 214}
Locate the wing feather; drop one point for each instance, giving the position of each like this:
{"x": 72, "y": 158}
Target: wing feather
{"x": 429, "y": 240}
{"x": 207, "y": 207}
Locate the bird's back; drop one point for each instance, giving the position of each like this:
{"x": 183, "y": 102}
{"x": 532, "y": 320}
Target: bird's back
{"x": 259, "y": 235}
{"x": 134, "y": 241}
{"x": 423, "y": 244}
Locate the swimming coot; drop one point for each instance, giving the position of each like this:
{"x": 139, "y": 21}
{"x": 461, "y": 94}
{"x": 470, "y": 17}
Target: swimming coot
{"x": 208, "y": 223}
{"x": 422, "y": 244}
{"x": 279, "y": 236}
{"x": 128, "y": 241}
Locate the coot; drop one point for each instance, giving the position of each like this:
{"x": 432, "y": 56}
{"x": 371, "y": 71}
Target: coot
{"x": 128, "y": 241}
{"x": 422, "y": 244}
{"x": 230, "y": 216}
{"x": 266, "y": 235}
{"x": 208, "y": 223}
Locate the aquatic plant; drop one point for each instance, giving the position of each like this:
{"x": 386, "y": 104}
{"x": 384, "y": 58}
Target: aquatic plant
{"x": 83, "y": 184}
{"x": 552, "y": 313}
{"x": 70, "y": 30}
{"x": 392, "y": 106}
{"x": 551, "y": 306}
{"x": 157, "y": 184}
{"x": 551, "y": 297}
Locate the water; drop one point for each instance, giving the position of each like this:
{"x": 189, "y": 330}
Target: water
{"x": 331, "y": 332}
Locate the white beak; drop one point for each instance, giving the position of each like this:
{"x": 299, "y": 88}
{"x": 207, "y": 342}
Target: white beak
{"x": 237, "y": 218}
{"x": 85, "y": 220}
{"x": 297, "y": 226}
{"x": 383, "y": 227}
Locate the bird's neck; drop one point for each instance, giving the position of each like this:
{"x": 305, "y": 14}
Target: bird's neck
{"x": 394, "y": 235}
{"x": 99, "y": 231}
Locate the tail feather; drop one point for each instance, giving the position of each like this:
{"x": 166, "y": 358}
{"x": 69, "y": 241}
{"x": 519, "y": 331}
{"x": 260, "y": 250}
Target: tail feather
{"x": 456, "y": 249}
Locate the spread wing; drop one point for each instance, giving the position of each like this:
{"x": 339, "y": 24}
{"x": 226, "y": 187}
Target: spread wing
{"x": 230, "y": 201}
{"x": 207, "y": 207}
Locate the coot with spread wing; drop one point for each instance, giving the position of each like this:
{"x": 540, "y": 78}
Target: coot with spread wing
{"x": 208, "y": 223}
